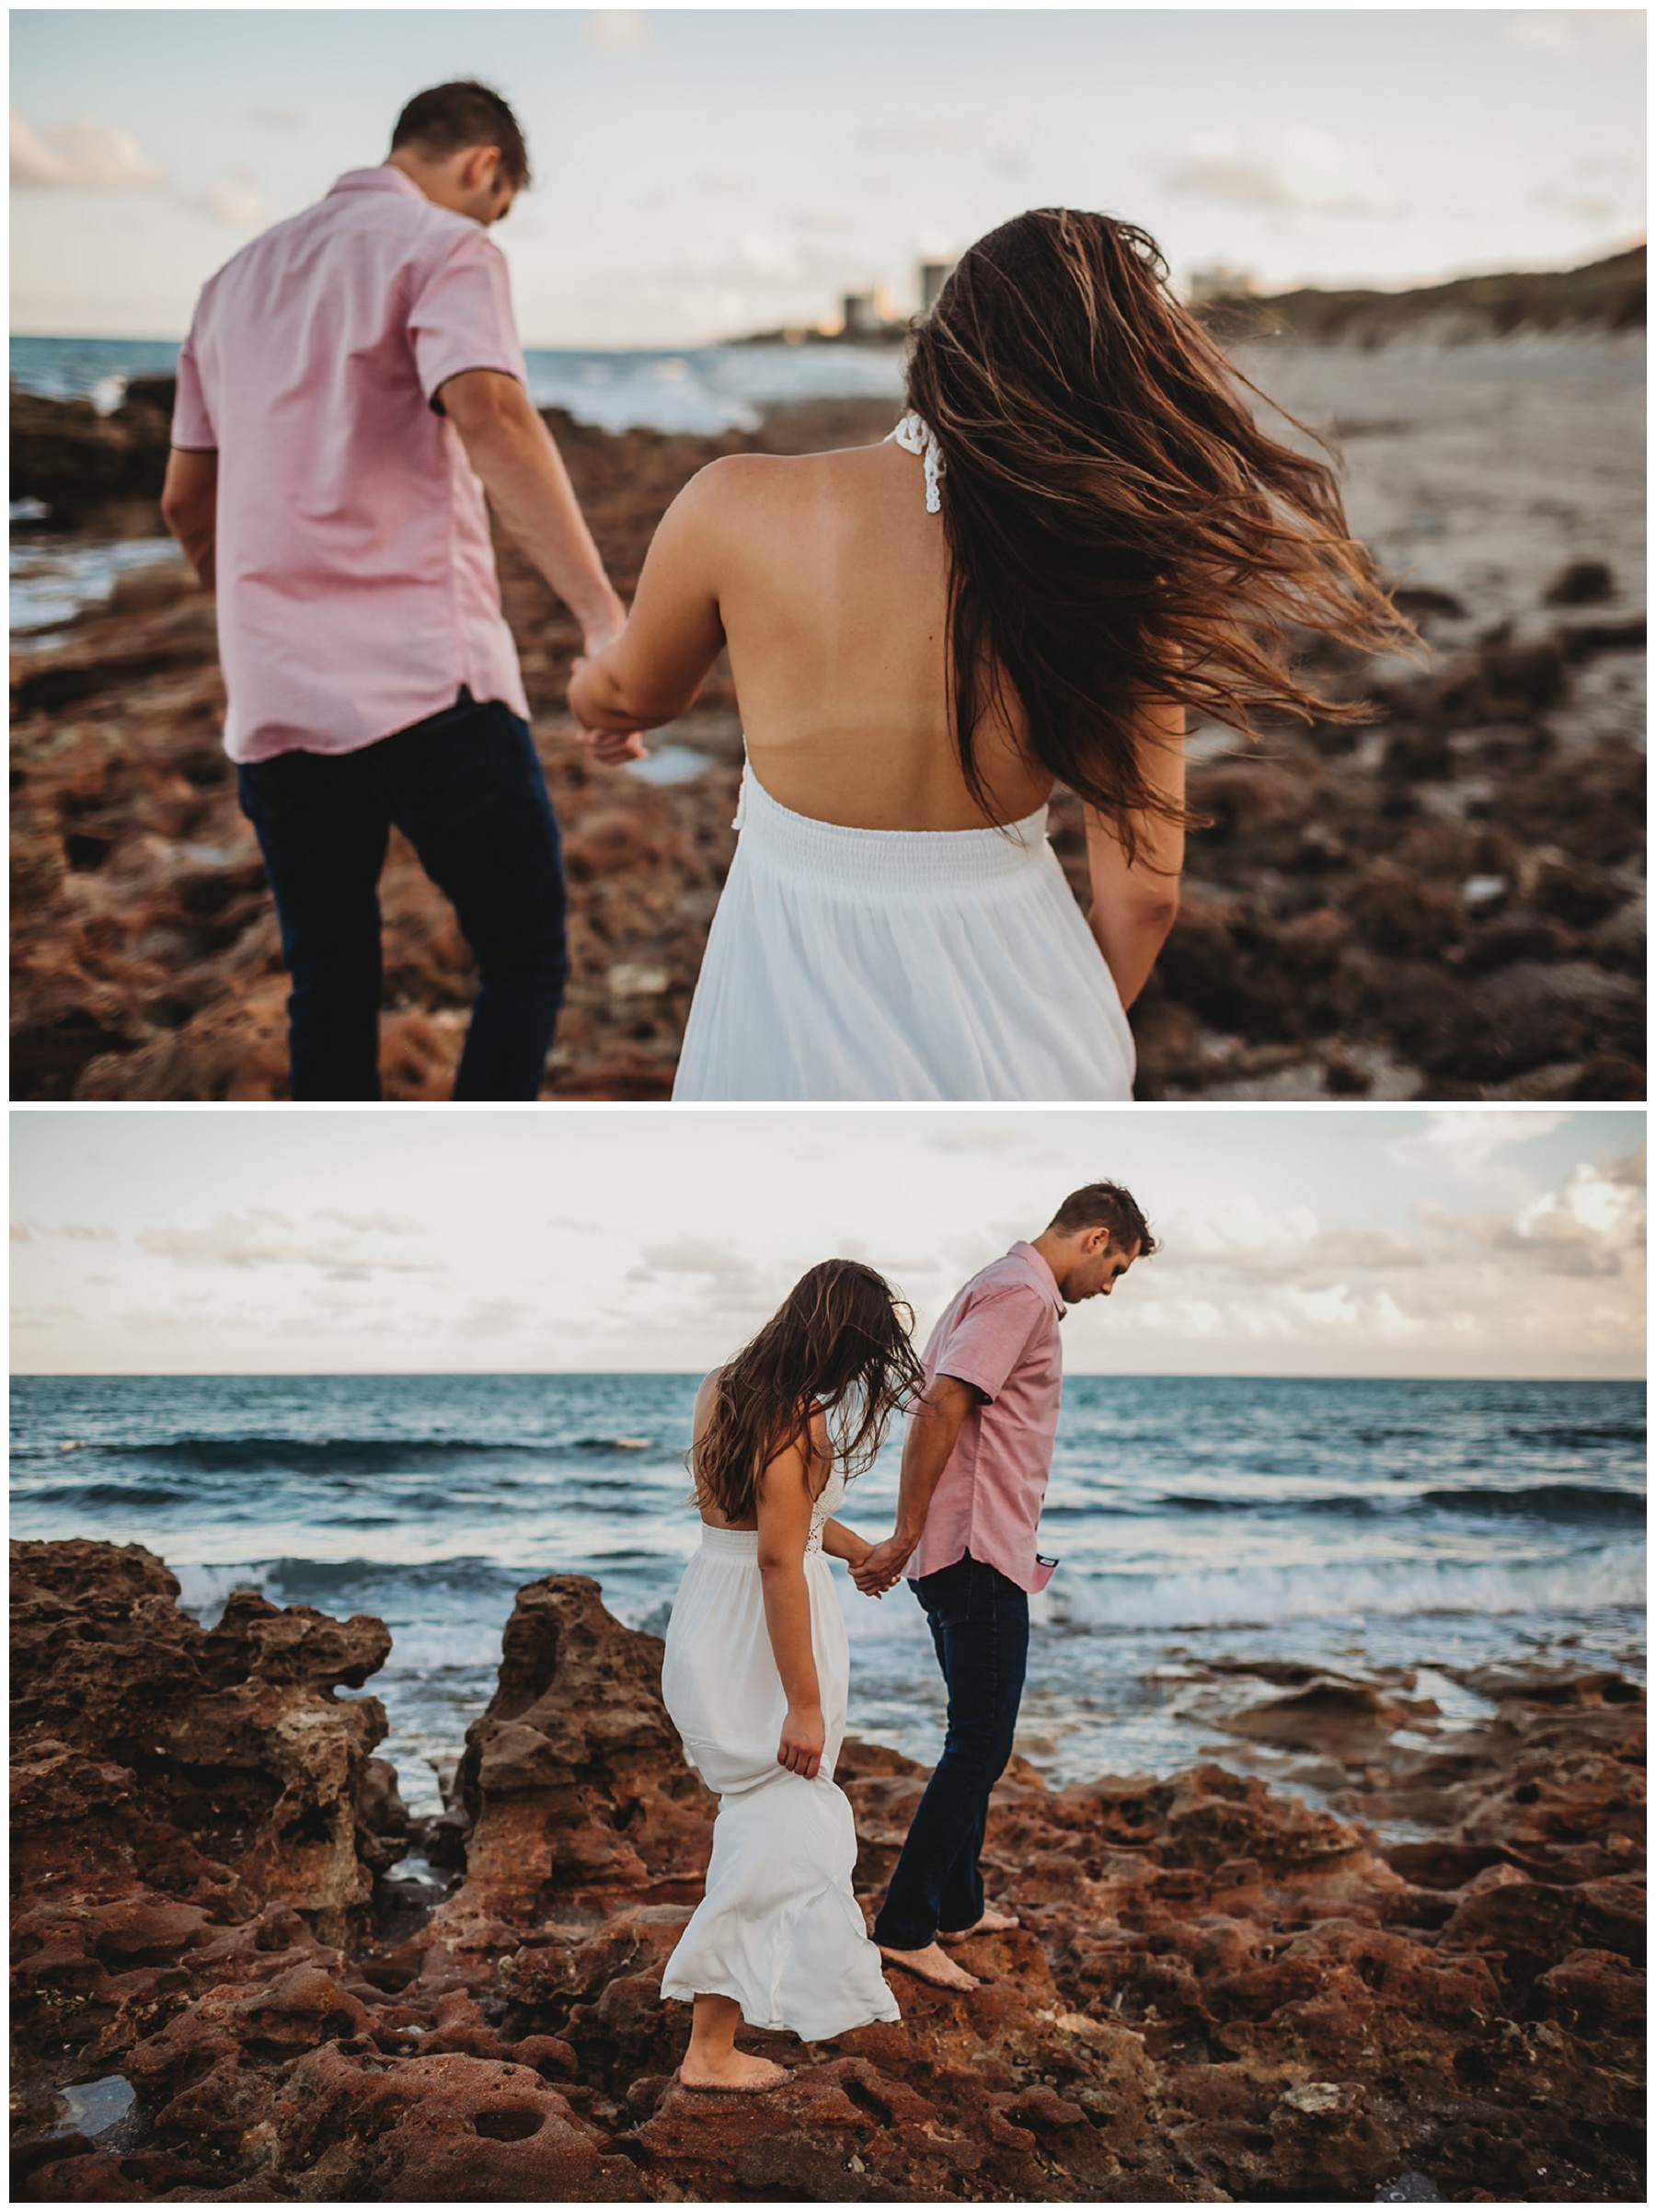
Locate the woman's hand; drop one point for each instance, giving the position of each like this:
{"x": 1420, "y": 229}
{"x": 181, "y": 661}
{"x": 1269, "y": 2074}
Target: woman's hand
{"x": 881, "y": 1565}
{"x": 803, "y": 1735}
{"x": 611, "y": 746}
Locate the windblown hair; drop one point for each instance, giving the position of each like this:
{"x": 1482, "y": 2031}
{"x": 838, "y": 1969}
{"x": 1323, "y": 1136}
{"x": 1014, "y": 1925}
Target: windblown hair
{"x": 451, "y": 119}
{"x": 840, "y": 1342}
{"x": 1108, "y": 1205}
{"x": 1122, "y": 533}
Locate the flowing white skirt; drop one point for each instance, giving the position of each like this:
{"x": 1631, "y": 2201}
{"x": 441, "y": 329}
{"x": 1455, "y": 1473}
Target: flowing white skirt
{"x": 778, "y": 1928}
{"x": 849, "y": 963}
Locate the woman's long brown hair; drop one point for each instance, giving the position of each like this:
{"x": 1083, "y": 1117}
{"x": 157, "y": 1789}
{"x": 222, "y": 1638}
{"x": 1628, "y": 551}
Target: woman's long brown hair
{"x": 840, "y": 1342}
{"x": 1122, "y": 533}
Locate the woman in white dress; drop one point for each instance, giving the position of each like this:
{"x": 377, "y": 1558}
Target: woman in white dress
{"x": 1077, "y": 533}
{"x": 757, "y": 1669}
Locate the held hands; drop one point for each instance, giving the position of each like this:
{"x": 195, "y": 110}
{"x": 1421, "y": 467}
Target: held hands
{"x": 606, "y": 746}
{"x": 881, "y": 1565}
{"x": 803, "y": 1735}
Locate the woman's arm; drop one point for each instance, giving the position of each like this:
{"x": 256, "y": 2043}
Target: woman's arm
{"x": 1135, "y": 904}
{"x": 673, "y": 634}
{"x": 784, "y": 1503}
{"x": 840, "y": 1542}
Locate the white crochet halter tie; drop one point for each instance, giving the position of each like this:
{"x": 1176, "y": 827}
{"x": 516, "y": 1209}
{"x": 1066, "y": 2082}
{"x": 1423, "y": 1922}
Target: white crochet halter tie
{"x": 916, "y": 436}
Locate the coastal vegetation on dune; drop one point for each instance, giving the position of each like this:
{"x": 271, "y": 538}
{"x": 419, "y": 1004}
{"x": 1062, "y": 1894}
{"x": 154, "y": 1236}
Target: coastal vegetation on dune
{"x": 243, "y": 1974}
{"x": 1602, "y": 296}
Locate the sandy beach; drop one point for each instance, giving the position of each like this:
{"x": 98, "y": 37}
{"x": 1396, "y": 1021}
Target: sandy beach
{"x": 1447, "y": 904}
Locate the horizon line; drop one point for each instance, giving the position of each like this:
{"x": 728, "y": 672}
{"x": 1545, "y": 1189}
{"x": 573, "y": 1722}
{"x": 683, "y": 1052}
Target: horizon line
{"x": 1627, "y": 242}
{"x": 553, "y": 1373}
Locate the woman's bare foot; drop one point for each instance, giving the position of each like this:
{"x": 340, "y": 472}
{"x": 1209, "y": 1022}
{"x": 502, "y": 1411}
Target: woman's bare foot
{"x": 931, "y": 1966}
{"x": 991, "y": 1922}
{"x": 739, "y": 2074}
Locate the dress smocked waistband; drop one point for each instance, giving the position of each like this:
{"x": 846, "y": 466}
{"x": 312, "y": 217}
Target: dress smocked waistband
{"x": 731, "y": 1543}
{"x": 904, "y": 863}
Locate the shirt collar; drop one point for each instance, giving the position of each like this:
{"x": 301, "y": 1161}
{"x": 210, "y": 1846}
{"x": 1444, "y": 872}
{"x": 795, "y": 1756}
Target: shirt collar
{"x": 382, "y": 180}
{"x": 1044, "y": 1278}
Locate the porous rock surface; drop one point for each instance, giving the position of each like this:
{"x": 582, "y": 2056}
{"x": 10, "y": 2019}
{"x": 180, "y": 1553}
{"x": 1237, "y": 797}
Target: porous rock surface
{"x": 1446, "y": 904}
{"x": 1216, "y": 1993}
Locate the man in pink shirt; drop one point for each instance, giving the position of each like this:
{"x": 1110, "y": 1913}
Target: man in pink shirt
{"x": 975, "y": 1461}
{"x": 352, "y": 386}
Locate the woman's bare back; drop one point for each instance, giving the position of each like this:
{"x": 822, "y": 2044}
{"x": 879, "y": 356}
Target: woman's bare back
{"x": 833, "y": 597}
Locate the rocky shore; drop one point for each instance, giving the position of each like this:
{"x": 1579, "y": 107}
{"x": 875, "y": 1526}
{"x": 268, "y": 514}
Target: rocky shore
{"x": 1445, "y": 904}
{"x": 237, "y": 1980}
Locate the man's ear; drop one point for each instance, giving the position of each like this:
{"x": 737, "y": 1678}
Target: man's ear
{"x": 479, "y": 164}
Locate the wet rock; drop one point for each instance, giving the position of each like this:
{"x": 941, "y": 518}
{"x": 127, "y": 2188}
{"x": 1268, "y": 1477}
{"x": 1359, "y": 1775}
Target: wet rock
{"x": 1324, "y": 909}
{"x": 572, "y": 1780}
{"x": 1216, "y": 1992}
{"x": 1326, "y": 1715}
{"x": 348, "y": 2125}
{"x": 1581, "y": 584}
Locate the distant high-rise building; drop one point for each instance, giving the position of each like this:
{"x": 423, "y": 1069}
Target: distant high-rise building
{"x": 862, "y": 314}
{"x": 933, "y": 276}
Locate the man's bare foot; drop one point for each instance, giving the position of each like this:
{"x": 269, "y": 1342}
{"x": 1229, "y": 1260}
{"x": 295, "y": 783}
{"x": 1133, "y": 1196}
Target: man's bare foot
{"x": 991, "y": 1922}
{"x": 738, "y": 2075}
{"x": 931, "y": 1966}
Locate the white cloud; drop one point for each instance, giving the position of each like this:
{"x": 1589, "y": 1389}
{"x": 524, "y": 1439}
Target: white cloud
{"x": 236, "y": 201}
{"x": 1241, "y": 1239}
{"x": 1575, "y": 30}
{"x": 1594, "y": 1225}
{"x": 1307, "y": 170}
{"x": 86, "y": 155}
{"x": 259, "y": 1238}
{"x": 1467, "y": 1143}
{"x": 618, "y": 31}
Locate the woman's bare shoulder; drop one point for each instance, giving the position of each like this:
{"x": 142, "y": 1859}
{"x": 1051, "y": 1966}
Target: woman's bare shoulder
{"x": 747, "y": 480}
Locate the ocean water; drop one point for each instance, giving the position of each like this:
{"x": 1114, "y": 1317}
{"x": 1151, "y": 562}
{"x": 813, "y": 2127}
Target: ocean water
{"x": 1350, "y": 1524}
{"x": 703, "y": 389}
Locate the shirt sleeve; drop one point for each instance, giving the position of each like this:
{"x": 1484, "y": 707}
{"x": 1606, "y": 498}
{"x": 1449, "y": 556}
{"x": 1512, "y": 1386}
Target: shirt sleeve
{"x": 990, "y": 1336}
{"x": 192, "y": 421}
{"x": 461, "y": 317}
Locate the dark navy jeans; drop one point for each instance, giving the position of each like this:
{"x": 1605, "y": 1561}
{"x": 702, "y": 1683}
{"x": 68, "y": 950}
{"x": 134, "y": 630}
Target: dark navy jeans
{"x": 980, "y": 1625}
{"x": 465, "y": 789}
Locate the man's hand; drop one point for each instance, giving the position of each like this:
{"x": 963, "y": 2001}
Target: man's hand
{"x": 881, "y": 1565}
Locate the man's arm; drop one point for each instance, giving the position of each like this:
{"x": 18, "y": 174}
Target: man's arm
{"x": 190, "y": 507}
{"x": 932, "y": 1429}
{"x": 529, "y": 488}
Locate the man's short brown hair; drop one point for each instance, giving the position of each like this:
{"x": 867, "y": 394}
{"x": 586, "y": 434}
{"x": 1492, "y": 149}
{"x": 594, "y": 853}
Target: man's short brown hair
{"x": 1107, "y": 1205}
{"x": 451, "y": 118}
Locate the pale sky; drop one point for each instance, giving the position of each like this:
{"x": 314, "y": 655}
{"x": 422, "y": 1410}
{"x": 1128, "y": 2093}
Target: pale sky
{"x": 702, "y": 173}
{"x": 1300, "y": 1242}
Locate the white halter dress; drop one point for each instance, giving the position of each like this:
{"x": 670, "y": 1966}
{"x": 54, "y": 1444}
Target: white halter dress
{"x": 852, "y": 964}
{"x": 778, "y": 1928}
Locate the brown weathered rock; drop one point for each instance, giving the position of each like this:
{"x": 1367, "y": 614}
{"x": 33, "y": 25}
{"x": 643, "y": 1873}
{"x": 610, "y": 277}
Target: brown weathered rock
{"x": 1217, "y": 1993}
{"x": 234, "y": 1735}
{"x": 573, "y": 1780}
{"x": 1328, "y": 939}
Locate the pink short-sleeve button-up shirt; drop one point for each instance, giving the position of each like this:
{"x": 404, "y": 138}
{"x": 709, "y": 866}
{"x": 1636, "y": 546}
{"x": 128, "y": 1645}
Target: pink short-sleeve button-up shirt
{"x": 356, "y": 580}
{"x": 1001, "y": 1336}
